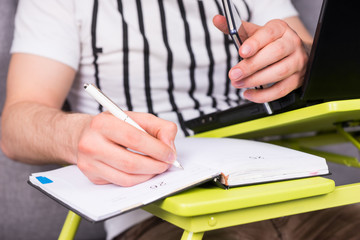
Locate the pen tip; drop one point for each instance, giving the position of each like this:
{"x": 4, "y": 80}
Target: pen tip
{"x": 86, "y": 85}
{"x": 178, "y": 165}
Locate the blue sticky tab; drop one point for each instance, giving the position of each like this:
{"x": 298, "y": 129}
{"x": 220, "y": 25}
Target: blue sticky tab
{"x": 44, "y": 180}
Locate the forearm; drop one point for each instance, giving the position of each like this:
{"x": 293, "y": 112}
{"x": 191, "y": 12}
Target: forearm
{"x": 37, "y": 134}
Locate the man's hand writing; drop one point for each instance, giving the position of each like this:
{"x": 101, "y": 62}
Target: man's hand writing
{"x": 104, "y": 155}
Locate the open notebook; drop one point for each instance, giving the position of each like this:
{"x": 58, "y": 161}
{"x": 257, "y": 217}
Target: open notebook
{"x": 233, "y": 162}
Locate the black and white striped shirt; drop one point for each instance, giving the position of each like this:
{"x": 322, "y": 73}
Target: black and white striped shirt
{"x": 159, "y": 56}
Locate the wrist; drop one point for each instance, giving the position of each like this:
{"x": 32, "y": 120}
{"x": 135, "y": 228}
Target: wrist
{"x": 307, "y": 47}
{"x": 79, "y": 122}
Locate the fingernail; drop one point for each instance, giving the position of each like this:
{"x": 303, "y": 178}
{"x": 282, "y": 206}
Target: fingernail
{"x": 171, "y": 157}
{"x": 247, "y": 95}
{"x": 245, "y": 49}
{"x": 239, "y": 84}
{"x": 236, "y": 74}
{"x": 172, "y": 144}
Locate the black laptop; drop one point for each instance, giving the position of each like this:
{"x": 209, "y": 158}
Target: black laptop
{"x": 333, "y": 71}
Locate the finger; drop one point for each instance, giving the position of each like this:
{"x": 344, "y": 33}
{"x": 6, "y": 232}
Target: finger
{"x": 124, "y": 159}
{"x": 274, "y": 73}
{"x": 100, "y": 173}
{"x": 270, "y": 54}
{"x": 278, "y": 90}
{"x": 161, "y": 129}
{"x": 258, "y": 39}
{"x": 220, "y": 22}
{"x": 128, "y": 136}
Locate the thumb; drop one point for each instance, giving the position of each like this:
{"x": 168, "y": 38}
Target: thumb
{"x": 250, "y": 28}
{"x": 220, "y": 22}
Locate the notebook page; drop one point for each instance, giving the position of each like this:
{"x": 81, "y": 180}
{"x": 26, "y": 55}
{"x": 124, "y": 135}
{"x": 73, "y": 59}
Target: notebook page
{"x": 247, "y": 161}
{"x": 97, "y": 202}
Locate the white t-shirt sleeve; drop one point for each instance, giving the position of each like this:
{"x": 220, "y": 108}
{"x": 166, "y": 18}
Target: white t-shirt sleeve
{"x": 48, "y": 29}
{"x": 266, "y": 10}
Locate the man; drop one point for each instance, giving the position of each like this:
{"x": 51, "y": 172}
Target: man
{"x": 163, "y": 61}
{"x": 62, "y": 45}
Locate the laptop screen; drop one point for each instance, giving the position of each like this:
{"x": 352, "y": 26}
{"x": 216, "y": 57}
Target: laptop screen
{"x": 334, "y": 65}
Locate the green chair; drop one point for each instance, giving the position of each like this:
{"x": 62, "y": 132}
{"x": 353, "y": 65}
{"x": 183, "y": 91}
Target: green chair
{"x": 207, "y": 208}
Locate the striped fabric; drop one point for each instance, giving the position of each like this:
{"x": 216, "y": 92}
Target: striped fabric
{"x": 171, "y": 38}
{"x": 164, "y": 57}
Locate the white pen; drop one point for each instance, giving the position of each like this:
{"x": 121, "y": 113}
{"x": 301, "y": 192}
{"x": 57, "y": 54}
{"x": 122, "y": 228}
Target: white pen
{"x": 107, "y": 103}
